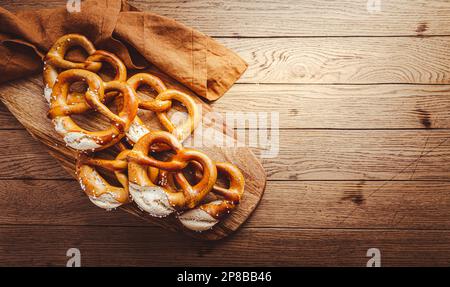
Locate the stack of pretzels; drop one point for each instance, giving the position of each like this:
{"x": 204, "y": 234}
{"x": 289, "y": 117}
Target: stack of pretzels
{"x": 158, "y": 186}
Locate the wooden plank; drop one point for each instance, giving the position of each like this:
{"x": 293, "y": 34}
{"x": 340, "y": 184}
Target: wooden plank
{"x": 307, "y": 18}
{"x": 331, "y": 106}
{"x": 124, "y": 246}
{"x": 360, "y": 155}
{"x": 55, "y": 202}
{"x": 363, "y": 204}
{"x": 310, "y": 204}
{"x": 302, "y": 155}
{"x": 351, "y": 60}
{"x": 22, "y": 156}
{"x": 344, "y": 106}
{"x": 293, "y": 18}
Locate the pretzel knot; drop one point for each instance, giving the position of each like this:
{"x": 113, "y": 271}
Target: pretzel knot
{"x": 55, "y": 60}
{"x": 159, "y": 201}
{"x": 209, "y": 214}
{"x": 99, "y": 191}
{"x": 100, "y": 56}
{"x": 77, "y": 137}
{"x": 160, "y": 105}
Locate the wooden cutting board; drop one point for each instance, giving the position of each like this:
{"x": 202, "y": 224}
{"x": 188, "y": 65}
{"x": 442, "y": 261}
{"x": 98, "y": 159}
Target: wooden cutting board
{"x": 24, "y": 98}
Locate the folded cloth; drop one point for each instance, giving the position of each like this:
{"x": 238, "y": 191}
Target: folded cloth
{"x": 139, "y": 38}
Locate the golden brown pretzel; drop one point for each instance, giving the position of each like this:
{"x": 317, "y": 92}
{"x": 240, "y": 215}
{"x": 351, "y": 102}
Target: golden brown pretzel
{"x": 101, "y": 56}
{"x": 54, "y": 60}
{"x": 138, "y": 128}
{"x": 155, "y": 83}
{"x": 120, "y": 70}
{"x": 186, "y": 129}
{"x": 159, "y": 201}
{"x": 100, "y": 192}
{"x": 209, "y": 214}
{"x": 136, "y": 170}
{"x": 77, "y": 137}
{"x": 162, "y": 103}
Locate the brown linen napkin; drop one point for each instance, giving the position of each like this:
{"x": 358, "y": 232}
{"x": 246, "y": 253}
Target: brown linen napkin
{"x": 139, "y": 38}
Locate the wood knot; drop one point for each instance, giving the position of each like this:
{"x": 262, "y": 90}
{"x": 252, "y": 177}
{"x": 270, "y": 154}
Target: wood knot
{"x": 421, "y": 28}
{"x": 424, "y": 117}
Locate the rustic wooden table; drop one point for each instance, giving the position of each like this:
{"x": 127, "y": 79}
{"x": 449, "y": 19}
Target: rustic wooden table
{"x": 364, "y": 160}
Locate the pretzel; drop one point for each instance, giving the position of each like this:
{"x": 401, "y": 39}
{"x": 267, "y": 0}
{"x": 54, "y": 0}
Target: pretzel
{"x": 99, "y": 191}
{"x": 185, "y": 130}
{"x": 209, "y": 214}
{"x": 120, "y": 75}
{"x": 163, "y": 102}
{"x": 77, "y": 137}
{"x": 159, "y": 201}
{"x": 99, "y": 56}
{"x": 157, "y": 186}
{"x": 138, "y": 128}
{"x": 54, "y": 60}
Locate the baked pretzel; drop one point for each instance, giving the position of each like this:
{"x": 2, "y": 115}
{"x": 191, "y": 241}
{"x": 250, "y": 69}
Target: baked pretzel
{"x": 159, "y": 201}
{"x": 101, "y": 56}
{"x": 163, "y": 102}
{"x": 55, "y": 60}
{"x": 99, "y": 191}
{"x": 209, "y": 214}
{"x": 157, "y": 186}
{"x": 77, "y": 137}
{"x": 138, "y": 128}
{"x": 186, "y": 129}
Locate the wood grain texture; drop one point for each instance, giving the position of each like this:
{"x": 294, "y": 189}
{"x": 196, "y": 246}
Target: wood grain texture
{"x": 234, "y": 18}
{"x": 350, "y": 60}
{"x": 7, "y": 120}
{"x": 334, "y": 193}
{"x": 294, "y": 204}
{"x": 291, "y": 18}
{"x": 303, "y": 155}
{"x": 55, "y": 202}
{"x": 331, "y": 106}
{"x": 133, "y": 246}
{"x": 20, "y": 97}
{"x": 361, "y": 155}
{"x": 24, "y": 157}
{"x": 344, "y": 106}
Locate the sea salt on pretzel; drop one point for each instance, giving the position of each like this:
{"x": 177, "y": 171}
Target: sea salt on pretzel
{"x": 159, "y": 201}
{"x": 99, "y": 191}
{"x": 209, "y": 214}
{"x": 137, "y": 130}
{"x": 77, "y": 137}
{"x": 55, "y": 60}
{"x": 145, "y": 193}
